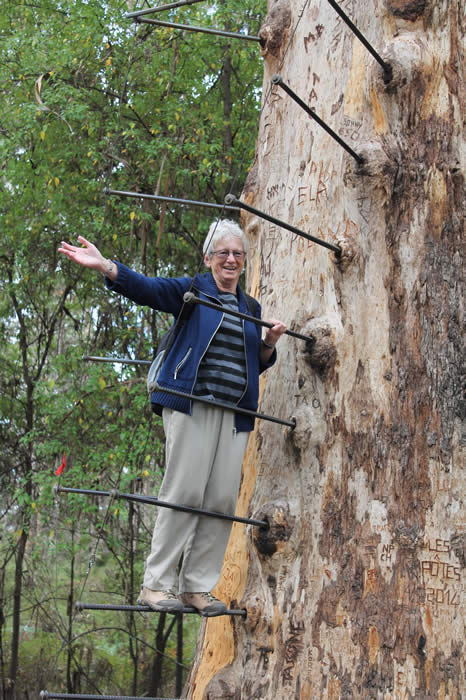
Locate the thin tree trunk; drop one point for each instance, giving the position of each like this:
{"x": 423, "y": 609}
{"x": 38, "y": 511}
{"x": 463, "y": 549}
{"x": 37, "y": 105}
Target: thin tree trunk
{"x": 16, "y": 621}
{"x": 31, "y": 374}
{"x": 161, "y": 639}
{"x": 2, "y": 658}
{"x": 227, "y": 104}
{"x": 225, "y": 80}
{"x": 133, "y": 644}
{"x": 70, "y": 613}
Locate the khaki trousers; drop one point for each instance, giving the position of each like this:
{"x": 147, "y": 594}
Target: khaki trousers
{"x": 204, "y": 455}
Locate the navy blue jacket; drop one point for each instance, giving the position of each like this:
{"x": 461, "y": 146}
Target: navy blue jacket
{"x": 179, "y": 370}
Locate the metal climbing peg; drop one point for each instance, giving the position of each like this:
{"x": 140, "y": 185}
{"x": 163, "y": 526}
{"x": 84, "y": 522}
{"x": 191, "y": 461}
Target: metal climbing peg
{"x": 190, "y": 298}
{"x": 277, "y": 80}
{"x": 169, "y": 200}
{"x": 387, "y": 68}
{"x": 231, "y": 199}
{"x": 193, "y": 28}
{"x": 161, "y": 8}
{"x": 151, "y": 500}
{"x": 45, "y": 695}
{"x": 79, "y": 605}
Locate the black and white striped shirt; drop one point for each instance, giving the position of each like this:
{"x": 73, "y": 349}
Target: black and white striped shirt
{"x": 222, "y": 372}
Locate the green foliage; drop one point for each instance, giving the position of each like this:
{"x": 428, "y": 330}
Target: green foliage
{"x": 90, "y": 100}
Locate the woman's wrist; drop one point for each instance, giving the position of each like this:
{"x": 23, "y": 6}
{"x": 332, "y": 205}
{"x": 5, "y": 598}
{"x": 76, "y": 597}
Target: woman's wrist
{"x": 268, "y": 345}
{"x": 108, "y": 268}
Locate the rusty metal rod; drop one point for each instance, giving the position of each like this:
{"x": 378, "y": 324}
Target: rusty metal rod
{"x": 145, "y": 608}
{"x": 228, "y": 406}
{"x": 151, "y": 500}
{"x": 277, "y": 80}
{"x": 161, "y": 8}
{"x": 171, "y": 200}
{"x": 230, "y": 198}
{"x": 44, "y": 694}
{"x": 190, "y": 298}
{"x": 203, "y": 30}
{"x": 122, "y": 360}
{"x": 193, "y": 397}
{"x": 387, "y": 68}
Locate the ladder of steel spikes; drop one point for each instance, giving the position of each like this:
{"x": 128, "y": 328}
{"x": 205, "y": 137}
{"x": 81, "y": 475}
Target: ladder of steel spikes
{"x": 151, "y": 500}
{"x": 231, "y": 204}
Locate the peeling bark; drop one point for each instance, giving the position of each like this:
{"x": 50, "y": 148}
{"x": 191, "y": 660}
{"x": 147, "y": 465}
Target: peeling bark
{"x": 407, "y": 9}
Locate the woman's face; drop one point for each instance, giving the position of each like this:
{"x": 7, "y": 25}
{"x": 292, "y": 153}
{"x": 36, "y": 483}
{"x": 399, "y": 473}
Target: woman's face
{"x": 226, "y": 268}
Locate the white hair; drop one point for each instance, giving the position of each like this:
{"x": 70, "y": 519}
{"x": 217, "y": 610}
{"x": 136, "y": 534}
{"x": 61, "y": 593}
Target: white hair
{"x": 223, "y": 229}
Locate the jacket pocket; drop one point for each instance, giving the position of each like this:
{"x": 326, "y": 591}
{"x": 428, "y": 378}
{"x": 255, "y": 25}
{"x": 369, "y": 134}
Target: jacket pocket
{"x": 180, "y": 364}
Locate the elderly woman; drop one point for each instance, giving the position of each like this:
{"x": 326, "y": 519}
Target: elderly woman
{"x": 217, "y": 356}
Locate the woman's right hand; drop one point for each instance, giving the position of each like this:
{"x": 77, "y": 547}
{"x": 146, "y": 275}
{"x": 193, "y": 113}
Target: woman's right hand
{"x": 87, "y": 256}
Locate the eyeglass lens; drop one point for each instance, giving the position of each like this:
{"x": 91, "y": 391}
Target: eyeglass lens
{"x": 238, "y": 254}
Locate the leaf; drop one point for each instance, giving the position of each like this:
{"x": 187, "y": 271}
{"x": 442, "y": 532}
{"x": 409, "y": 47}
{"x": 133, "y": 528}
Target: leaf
{"x": 37, "y": 89}
{"x": 43, "y": 107}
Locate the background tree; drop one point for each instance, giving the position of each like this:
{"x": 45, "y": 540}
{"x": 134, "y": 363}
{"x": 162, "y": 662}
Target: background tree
{"x": 355, "y": 590}
{"x": 89, "y": 100}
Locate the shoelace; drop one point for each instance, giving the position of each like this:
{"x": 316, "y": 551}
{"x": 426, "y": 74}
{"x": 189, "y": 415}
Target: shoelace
{"x": 170, "y": 595}
{"x": 209, "y": 597}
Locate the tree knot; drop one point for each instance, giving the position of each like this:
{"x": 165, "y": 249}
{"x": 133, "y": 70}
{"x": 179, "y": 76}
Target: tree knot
{"x": 270, "y": 540}
{"x": 273, "y": 31}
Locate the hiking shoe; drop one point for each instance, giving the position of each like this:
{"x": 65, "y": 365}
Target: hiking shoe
{"x": 205, "y": 603}
{"x": 160, "y": 601}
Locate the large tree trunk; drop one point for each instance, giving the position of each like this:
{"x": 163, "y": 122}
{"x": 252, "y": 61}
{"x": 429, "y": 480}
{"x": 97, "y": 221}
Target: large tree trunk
{"x": 355, "y": 592}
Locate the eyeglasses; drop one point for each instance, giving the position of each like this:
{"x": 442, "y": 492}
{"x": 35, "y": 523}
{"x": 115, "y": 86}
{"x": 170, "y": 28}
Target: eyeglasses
{"x": 224, "y": 254}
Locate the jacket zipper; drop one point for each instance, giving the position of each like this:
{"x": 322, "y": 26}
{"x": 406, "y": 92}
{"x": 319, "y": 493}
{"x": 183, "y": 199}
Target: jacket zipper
{"x": 246, "y": 361}
{"x": 217, "y": 301}
{"x": 181, "y": 363}
{"x": 178, "y": 366}
{"x": 205, "y": 351}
